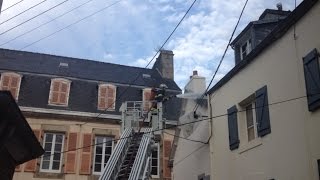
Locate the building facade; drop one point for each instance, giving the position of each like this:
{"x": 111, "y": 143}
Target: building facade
{"x": 72, "y": 105}
{"x": 266, "y": 110}
{"x": 190, "y": 152}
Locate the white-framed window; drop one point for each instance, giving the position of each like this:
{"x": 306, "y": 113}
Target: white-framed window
{"x": 11, "y": 81}
{"x": 245, "y": 49}
{"x": 155, "y": 163}
{"x": 51, "y": 161}
{"x": 102, "y": 152}
{"x": 59, "y": 92}
{"x": 106, "y": 97}
{"x": 251, "y": 122}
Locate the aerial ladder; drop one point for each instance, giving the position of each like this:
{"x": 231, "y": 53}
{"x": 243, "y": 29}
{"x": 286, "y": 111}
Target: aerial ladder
{"x": 141, "y": 126}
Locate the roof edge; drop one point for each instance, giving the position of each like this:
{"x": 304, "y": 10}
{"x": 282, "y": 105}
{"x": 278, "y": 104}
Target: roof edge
{"x": 276, "y": 34}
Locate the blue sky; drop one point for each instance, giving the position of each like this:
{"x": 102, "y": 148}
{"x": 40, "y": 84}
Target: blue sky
{"x": 130, "y": 31}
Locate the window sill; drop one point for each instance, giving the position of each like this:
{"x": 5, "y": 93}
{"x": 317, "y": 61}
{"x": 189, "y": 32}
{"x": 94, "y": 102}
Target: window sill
{"x": 250, "y": 145}
{"x": 49, "y": 175}
{"x": 59, "y": 105}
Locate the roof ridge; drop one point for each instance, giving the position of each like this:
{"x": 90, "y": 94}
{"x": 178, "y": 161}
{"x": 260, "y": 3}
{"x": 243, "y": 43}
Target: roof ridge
{"x": 72, "y": 58}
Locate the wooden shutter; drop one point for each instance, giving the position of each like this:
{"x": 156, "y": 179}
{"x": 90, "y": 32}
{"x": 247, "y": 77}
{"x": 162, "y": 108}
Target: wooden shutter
{"x": 102, "y": 97}
{"x": 233, "y": 128}
{"x": 63, "y": 93}
{"x": 166, "y": 156}
{"x": 31, "y": 166}
{"x": 262, "y": 112}
{"x": 146, "y": 99}
{"x": 54, "y": 92}
{"x": 85, "y": 164}
{"x": 111, "y": 97}
{"x": 5, "y": 82}
{"x": 312, "y": 79}
{"x": 71, "y": 154}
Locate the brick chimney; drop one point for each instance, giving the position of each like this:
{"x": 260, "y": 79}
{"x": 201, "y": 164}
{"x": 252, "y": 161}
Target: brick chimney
{"x": 164, "y": 64}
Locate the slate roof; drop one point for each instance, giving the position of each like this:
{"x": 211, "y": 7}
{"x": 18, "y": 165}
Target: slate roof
{"x": 273, "y": 36}
{"x": 38, "y": 70}
{"x": 79, "y": 68}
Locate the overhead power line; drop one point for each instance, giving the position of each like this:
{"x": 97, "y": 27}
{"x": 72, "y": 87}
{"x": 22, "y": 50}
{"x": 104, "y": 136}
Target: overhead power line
{"x": 23, "y": 12}
{"x": 224, "y": 53}
{"x": 55, "y": 32}
{"x": 183, "y": 124}
{"x": 12, "y": 5}
{"x": 163, "y": 44}
{"x": 33, "y": 29}
{"x": 20, "y": 24}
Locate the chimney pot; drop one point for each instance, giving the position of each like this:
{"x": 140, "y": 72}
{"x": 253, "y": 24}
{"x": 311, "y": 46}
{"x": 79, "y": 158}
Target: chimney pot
{"x": 195, "y": 73}
{"x": 279, "y": 6}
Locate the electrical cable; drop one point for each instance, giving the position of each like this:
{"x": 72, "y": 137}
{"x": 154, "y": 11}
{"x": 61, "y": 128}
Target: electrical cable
{"x": 12, "y": 5}
{"x": 33, "y": 29}
{"x": 185, "y": 138}
{"x": 205, "y": 119}
{"x": 55, "y": 32}
{"x": 222, "y": 58}
{"x": 139, "y": 74}
{"x": 22, "y": 12}
{"x": 10, "y": 29}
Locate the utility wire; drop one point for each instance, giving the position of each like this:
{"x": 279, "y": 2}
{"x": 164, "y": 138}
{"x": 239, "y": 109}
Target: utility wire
{"x": 12, "y": 5}
{"x": 185, "y": 138}
{"x": 224, "y": 53}
{"x": 183, "y": 124}
{"x": 33, "y": 29}
{"x": 23, "y": 12}
{"x": 33, "y": 17}
{"x": 139, "y": 74}
{"x": 55, "y": 32}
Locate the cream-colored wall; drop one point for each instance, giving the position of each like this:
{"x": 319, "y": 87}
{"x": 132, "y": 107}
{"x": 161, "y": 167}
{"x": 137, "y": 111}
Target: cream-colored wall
{"x": 67, "y": 126}
{"x": 291, "y": 150}
{"x": 192, "y": 158}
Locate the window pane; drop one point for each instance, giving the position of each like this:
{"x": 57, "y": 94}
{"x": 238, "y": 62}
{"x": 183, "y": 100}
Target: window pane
{"x": 97, "y": 167}
{"x": 108, "y": 150}
{"x": 49, "y": 137}
{"x": 45, "y": 165}
{"x": 57, "y": 147}
{"x": 46, "y": 156}
{"x": 59, "y": 138}
{"x": 57, "y": 156}
{"x": 251, "y": 134}
{"x": 154, "y": 154}
{"x": 106, "y": 158}
{"x": 154, "y": 171}
{"x": 99, "y": 141}
{"x": 154, "y": 162}
{"x": 98, "y": 158}
{"x": 249, "y": 115}
{"x": 55, "y": 165}
{"x": 98, "y": 150}
{"x": 47, "y": 147}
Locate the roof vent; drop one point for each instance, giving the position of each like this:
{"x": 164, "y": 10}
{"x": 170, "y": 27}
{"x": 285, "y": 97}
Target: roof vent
{"x": 63, "y": 65}
{"x": 279, "y": 6}
{"x": 146, "y": 75}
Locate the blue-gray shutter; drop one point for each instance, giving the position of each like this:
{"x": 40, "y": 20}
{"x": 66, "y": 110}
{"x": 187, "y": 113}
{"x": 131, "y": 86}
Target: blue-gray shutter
{"x": 262, "y": 112}
{"x": 319, "y": 167}
{"x": 312, "y": 78}
{"x": 233, "y": 128}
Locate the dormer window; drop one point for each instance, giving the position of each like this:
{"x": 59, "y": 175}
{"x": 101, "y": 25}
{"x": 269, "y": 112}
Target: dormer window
{"x": 59, "y": 92}
{"x": 245, "y": 49}
{"x": 106, "y": 97}
{"x": 11, "y": 82}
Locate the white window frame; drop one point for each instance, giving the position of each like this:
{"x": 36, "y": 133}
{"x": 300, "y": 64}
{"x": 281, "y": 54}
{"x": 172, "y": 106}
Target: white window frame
{"x": 158, "y": 175}
{"x": 254, "y": 119}
{"x": 248, "y": 43}
{"x": 51, "y": 91}
{"x": 16, "y": 96}
{"x": 114, "y": 98}
{"x": 50, "y": 170}
{"x": 103, "y": 152}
